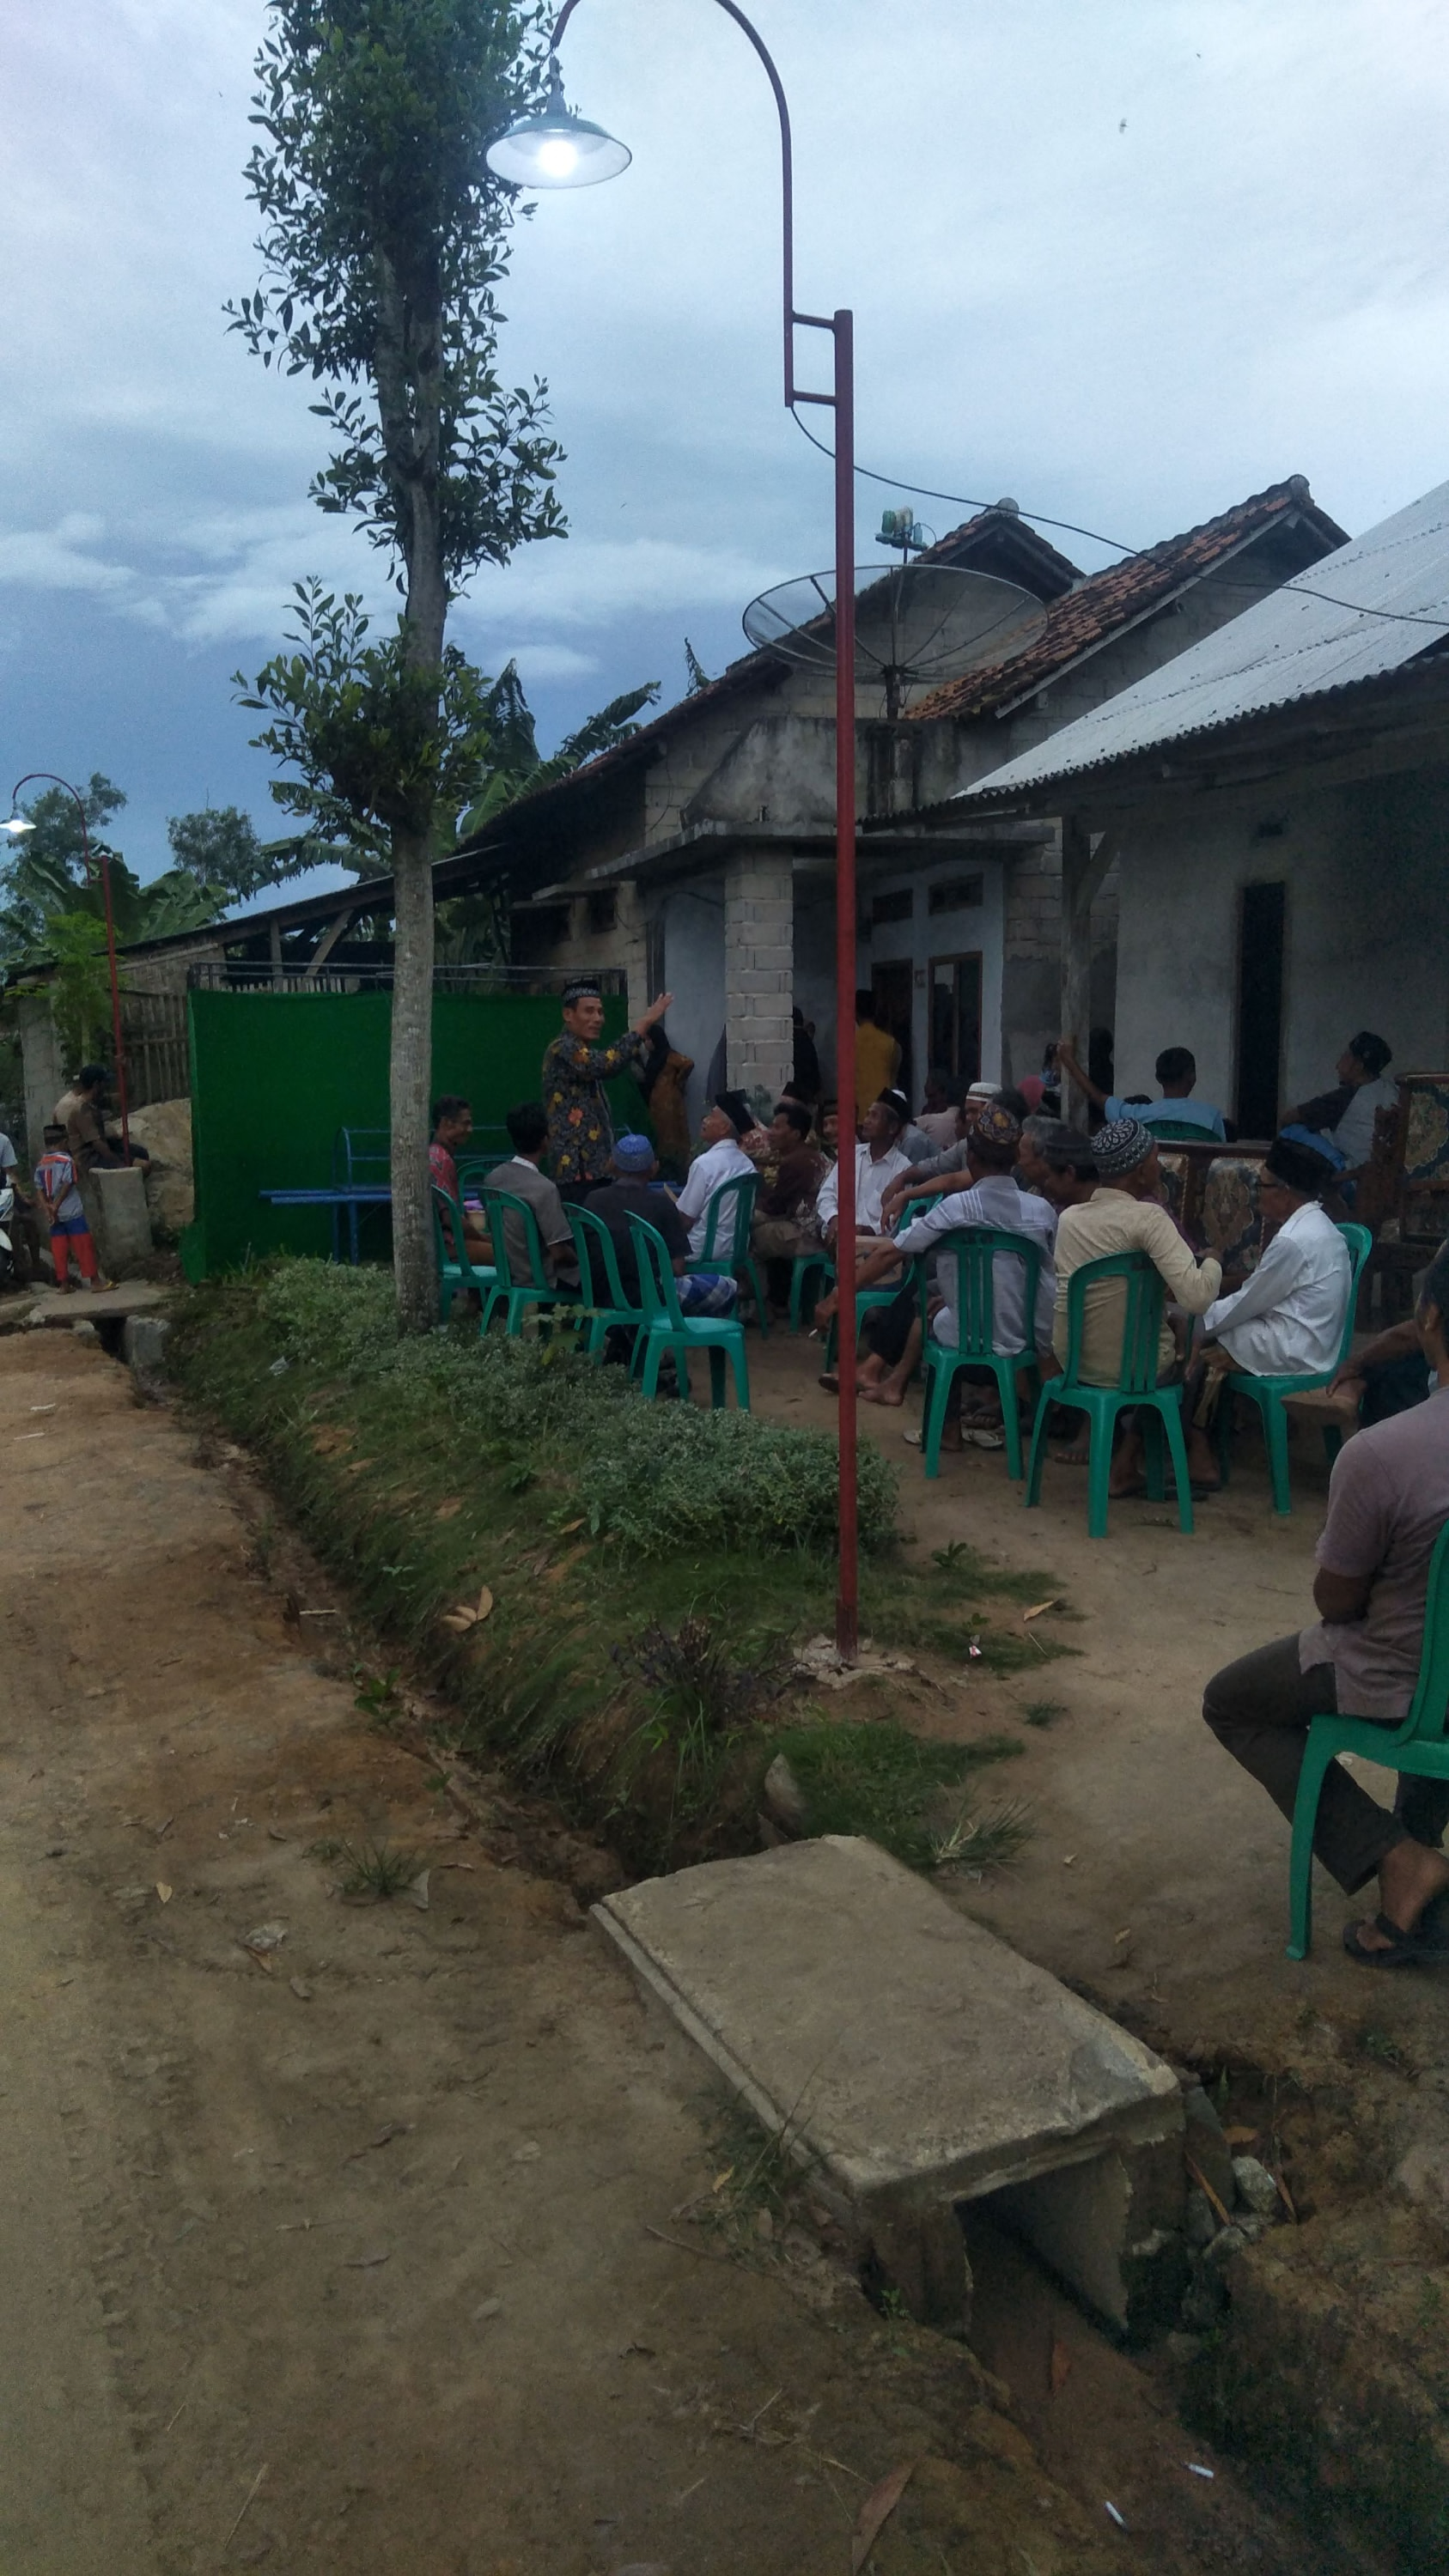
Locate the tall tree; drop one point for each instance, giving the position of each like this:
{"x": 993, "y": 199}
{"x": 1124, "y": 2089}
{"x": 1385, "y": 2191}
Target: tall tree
{"x": 51, "y": 914}
{"x": 219, "y": 849}
{"x": 384, "y": 241}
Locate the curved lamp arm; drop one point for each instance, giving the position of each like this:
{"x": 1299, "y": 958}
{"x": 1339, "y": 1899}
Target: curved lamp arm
{"x": 812, "y": 321}
{"x": 841, "y": 400}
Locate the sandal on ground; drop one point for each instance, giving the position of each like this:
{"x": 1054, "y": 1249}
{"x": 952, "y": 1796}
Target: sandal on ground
{"x": 914, "y": 1439}
{"x": 985, "y": 1437}
{"x": 1404, "y": 1951}
{"x": 830, "y": 1382}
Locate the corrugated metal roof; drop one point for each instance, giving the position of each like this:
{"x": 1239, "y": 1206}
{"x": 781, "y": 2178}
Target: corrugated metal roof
{"x": 1315, "y": 634}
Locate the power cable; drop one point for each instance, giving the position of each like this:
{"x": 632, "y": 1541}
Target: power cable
{"x": 1038, "y": 518}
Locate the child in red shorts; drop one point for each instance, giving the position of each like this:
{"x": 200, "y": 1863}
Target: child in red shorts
{"x": 69, "y": 1230}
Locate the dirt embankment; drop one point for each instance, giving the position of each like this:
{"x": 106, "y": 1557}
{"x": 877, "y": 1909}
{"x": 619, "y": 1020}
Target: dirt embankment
{"x": 391, "y": 2236}
{"x": 368, "y": 2234}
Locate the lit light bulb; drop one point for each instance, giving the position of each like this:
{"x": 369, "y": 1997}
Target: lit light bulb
{"x": 557, "y": 158}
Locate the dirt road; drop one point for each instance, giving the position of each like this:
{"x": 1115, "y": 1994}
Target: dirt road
{"x": 343, "y": 2251}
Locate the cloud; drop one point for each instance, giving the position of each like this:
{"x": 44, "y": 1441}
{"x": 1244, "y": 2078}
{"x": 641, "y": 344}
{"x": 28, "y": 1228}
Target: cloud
{"x": 1125, "y": 262}
{"x": 51, "y": 558}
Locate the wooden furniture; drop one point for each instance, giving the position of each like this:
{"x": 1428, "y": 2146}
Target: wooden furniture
{"x": 1403, "y": 1190}
{"x": 1209, "y": 1190}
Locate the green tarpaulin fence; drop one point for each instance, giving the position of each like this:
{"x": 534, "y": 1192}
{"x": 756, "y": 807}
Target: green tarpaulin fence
{"x": 274, "y": 1076}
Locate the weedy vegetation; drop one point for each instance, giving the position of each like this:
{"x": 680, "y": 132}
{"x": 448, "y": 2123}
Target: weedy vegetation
{"x": 648, "y": 1569}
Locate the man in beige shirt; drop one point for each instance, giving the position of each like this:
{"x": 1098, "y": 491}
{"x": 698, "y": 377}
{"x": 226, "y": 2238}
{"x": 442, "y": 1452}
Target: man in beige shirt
{"x": 1125, "y": 1214}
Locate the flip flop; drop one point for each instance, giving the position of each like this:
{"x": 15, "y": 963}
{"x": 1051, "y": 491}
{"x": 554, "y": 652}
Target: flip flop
{"x": 1405, "y": 1949}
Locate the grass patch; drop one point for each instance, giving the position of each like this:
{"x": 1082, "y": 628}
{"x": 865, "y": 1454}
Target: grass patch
{"x": 879, "y": 1779}
{"x": 1043, "y": 1712}
{"x": 381, "y": 1870}
{"x": 651, "y": 1566}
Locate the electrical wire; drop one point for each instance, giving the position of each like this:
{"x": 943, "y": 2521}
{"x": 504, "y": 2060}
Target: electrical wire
{"x": 1131, "y": 554}
{"x": 896, "y": 483}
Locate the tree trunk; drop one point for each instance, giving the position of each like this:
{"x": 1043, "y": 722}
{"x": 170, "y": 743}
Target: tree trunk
{"x": 409, "y": 389}
{"x": 413, "y": 1249}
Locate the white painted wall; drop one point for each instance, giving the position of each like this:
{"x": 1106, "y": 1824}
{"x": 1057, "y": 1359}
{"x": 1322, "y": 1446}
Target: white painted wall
{"x": 1367, "y": 941}
{"x": 694, "y": 971}
{"x": 942, "y": 934}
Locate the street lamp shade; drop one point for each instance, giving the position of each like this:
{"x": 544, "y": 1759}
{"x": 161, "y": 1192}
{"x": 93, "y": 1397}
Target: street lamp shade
{"x": 18, "y": 826}
{"x": 557, "y": 149}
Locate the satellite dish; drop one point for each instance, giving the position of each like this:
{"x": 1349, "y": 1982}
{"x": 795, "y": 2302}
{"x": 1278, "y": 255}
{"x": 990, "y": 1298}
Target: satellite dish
{"x": 917, "y": 625}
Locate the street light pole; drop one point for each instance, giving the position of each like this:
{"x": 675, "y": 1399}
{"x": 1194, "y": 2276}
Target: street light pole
{"x": 556, "y": 150}
{"x": 105, "y": 877}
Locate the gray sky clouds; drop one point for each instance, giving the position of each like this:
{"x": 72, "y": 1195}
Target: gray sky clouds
{"x": 1126, "y": 259}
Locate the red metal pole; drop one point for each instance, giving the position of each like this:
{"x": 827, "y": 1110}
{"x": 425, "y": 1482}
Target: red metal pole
{"x": 847, "y": 1604}
{"x": 842, "y": 402}
{"x": 115, "y": 982}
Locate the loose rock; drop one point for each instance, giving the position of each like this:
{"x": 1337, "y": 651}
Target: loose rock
{"x": 1206, "y": 2144}
{"x": 1200, "y": 2225}
{"x": 1256, "y": 2186}
{"x": 783, "y": 1796}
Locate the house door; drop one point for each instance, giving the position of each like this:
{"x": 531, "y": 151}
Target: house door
{"x": 1260, "y": 1007}
{"x": 956, "y": 1016}
{"x": 892, "y": 985}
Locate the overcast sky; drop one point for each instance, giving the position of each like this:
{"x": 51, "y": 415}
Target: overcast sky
{"x": 1127, "y": 260}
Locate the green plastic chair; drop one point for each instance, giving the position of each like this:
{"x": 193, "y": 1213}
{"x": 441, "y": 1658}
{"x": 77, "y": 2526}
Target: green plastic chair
{"x": 1161, "y": 1406}
{"x": 461, "y": 1271}
{"x": 973, "y": 1249}
{"x": 865, "y": 1298}
{"x": 803, "y": 1267}
{"x": 512, "y": 1296}
{"x": 728, "y": 1220}
{"x": 1418, "y": 1746}
{"x": 670, "y": 1333}
{"x": 1268, "y": 1392}
{"x": 602, "y": 1289}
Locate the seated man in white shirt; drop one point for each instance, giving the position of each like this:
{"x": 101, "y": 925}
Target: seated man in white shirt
{"x": 1287, "y": 1320}
{"x": 878, "y": 1162}
{"x": 722, "y": 1129}
{"x": 891, "y": 1336}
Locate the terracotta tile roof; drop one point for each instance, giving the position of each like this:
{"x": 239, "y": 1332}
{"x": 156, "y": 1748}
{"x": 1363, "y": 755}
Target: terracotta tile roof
{"x": 1003, "y": 529}
{"x": 1109, "y": 601}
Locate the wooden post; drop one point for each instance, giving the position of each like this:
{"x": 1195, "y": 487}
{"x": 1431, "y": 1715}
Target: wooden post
{"x": 1084, "y": 865}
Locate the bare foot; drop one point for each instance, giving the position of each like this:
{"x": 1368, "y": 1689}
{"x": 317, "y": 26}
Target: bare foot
{"x": 1411, "y": 1875}
{"x": 1076, "y": 1453}
{"x": 884, "y": 1392}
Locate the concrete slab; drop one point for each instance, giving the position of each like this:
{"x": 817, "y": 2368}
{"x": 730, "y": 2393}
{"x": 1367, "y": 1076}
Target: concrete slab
{"x": 917, "y": 2062}
{"x": 46, "y": 1306}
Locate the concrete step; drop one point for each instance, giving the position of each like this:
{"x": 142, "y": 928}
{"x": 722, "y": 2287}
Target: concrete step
{"x": 916, "y": 2062}
{"x": 47, "y": 1306}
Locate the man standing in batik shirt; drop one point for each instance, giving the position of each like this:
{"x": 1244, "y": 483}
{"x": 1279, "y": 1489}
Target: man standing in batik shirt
{"x": 575, "y": 1070}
